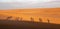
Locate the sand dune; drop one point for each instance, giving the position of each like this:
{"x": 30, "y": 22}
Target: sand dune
{"x": 53, "y": 14}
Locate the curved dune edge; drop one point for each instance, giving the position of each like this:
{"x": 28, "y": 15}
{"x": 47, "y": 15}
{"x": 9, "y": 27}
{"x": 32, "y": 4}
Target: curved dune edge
{"x": 53, "y": 14}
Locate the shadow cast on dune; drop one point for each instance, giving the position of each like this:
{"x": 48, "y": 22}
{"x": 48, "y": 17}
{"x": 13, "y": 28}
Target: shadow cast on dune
{"x": 9, "y": 24}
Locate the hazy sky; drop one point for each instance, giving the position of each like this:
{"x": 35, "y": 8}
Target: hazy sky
{"x": 11, "y": 4}
{"x": 25, "y": 0}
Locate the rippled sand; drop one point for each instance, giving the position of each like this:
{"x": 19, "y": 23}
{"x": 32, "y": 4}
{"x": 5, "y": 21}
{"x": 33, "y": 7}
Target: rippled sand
{"x": 53, "y": 14}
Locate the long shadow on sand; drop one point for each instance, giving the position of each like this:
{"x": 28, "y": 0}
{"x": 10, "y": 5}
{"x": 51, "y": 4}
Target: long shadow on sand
{"x": 9, "y": 24}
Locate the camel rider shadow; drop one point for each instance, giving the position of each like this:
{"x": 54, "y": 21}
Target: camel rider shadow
{"x": 48, "y": 20}
{"x": 9, "y": 18}
{"x": 40, "y": 20}
{"x": 32, "y": 19}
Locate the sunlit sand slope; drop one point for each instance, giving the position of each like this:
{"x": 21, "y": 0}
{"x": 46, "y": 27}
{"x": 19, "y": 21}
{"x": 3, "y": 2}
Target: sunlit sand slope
{"x": 53, "y": 14}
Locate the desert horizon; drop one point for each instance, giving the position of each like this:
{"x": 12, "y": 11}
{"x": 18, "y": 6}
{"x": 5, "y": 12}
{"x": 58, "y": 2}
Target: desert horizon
{"x": 30, "y": 14}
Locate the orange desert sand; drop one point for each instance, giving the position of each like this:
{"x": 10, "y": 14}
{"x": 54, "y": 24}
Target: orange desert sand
{"x": 53, "y": 14}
